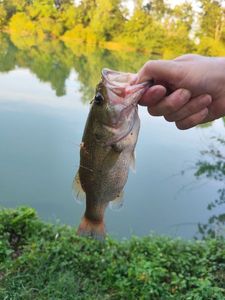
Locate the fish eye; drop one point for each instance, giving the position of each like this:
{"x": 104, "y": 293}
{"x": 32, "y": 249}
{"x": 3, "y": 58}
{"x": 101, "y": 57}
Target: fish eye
{"x": 98, "y": 98}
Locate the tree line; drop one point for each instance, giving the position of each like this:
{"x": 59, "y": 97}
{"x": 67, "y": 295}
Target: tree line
{"x": 154, "y": 26}
{"x": 51, "y": 61}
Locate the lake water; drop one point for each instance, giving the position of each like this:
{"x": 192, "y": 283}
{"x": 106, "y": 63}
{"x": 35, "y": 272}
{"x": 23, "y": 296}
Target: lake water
{"x": 44, "y": 93}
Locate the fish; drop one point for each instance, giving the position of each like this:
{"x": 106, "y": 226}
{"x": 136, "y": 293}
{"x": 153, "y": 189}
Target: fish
{"x": 107, "y": 148}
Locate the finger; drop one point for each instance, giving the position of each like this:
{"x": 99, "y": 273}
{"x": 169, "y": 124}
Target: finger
{"x": 133, "y": 79}
{"x": 216, "y": 109}
{"x": 188, "y": 57}
{"x": 171, "y": 103}
{"x": 192, "y": 120}
{"x": 153, "y": 95}
{"x": 161, "y": 71}
{"x": 193, "y": 106}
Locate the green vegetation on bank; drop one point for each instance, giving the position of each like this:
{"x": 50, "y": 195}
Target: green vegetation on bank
{"x": 43, "y": 261}
{"x": 154, "y": 26}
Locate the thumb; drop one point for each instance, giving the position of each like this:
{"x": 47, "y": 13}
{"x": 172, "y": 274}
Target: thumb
{"x": 167, "y": 71}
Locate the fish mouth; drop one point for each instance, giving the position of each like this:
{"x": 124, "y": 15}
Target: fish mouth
{"x": 119, "y": 88}
{"x": 116, "y": 78}
{"x": 122, "y": 97}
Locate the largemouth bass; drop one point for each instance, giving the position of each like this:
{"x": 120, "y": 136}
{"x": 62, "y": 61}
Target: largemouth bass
{"x": 107, "y": 147}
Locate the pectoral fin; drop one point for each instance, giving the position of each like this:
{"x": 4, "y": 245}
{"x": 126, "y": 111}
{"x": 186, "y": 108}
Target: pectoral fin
{"x": 78, "y": 191}
{"x": 118, "y": 147}
{"x": 132, "y": 162}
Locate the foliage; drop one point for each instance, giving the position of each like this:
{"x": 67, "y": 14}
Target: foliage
{"x": 142, "y": 32}
{"x": 51, "y": 61}
{"x": 21, "y": 24}
{"x": 212, "y": 19}
{"x": 212, "y": 167}
{"x": 43, "y": 261}
{"x": 211, "y": 47}
{"x": 3, "y": 16}
{"x": 100, "y": 24}
{"x": 178, "y": 25}
{"x": 80, "y": 34}
{"x": 7, "y": 54}
{"x": 154, "y": 27}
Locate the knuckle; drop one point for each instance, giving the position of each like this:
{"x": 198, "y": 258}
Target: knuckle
{"x": 145, "y": 70}
{"x": 153, "y": 112}
{"x": 183, "y": 95}
{"x": 148, "y": 65}
{"x": 188, "y": 56}
{"x": 187, "y": 112}
{"x": 170, "y": 107}
{"x": 192, "y": 120}
{"x": 197, "y": 104}
{"x": 177, "y": 100}
{"x": 178, "y": 74}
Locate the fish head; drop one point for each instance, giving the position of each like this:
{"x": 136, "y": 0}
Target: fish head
{"x": 115, "y": 104}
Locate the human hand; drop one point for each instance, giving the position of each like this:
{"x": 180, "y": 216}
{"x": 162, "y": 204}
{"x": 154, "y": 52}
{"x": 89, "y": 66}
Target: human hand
{"x": 188, "y": 90}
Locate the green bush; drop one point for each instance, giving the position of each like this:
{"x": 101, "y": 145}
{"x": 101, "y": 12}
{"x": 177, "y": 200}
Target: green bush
{"x": 43, "y": 261}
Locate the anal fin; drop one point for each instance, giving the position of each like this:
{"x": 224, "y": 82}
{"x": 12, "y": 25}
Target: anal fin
{"x": 117, "y": 203}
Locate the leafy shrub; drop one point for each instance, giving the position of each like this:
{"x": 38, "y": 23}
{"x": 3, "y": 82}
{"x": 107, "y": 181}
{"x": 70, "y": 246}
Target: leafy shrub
{"x": 43, "y": 261}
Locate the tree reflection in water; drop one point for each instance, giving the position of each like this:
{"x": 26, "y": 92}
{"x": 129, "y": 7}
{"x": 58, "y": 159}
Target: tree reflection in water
{"x": 213, "y": 168}
{"x": 52, "y": 61}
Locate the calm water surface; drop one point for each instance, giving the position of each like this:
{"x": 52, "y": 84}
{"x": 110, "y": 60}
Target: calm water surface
{"x": 43, "y": 109}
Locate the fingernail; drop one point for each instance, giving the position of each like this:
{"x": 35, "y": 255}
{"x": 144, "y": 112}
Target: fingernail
{"x": 185, "y": 93}
{"x": 204, "y": 112}
{"x": 207, "y": 99}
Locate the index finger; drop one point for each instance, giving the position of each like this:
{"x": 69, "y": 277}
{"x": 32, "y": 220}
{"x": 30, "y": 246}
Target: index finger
{"x": 160, "y": 71}
{"x": 153, "y": 95}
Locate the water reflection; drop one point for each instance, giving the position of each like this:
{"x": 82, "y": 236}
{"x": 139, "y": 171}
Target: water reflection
{"x": 212, "y": 166}
{"x": 72, "y": 71}
{"x": 51, "y": 61}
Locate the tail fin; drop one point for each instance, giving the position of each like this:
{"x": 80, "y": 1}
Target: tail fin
{"x": 92, "y": 229}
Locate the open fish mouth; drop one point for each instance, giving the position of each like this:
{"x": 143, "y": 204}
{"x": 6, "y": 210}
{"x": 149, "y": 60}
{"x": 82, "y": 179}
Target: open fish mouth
{"x": 122, "y": 98}
{"x": 116, "y": 78}
{"x": 119, "y": 88}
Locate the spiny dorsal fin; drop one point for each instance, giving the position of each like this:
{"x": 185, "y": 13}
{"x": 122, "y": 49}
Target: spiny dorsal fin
{"x": 117, "y": 203}
{"x": 78, "y": 191}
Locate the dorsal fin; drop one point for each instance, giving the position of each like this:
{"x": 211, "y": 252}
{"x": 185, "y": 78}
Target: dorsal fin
{"x": 78, "y": 192}
{"x": 117, "y": 203}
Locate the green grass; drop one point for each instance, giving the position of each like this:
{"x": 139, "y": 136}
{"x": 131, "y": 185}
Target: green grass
{"x": 44, "y": 261}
